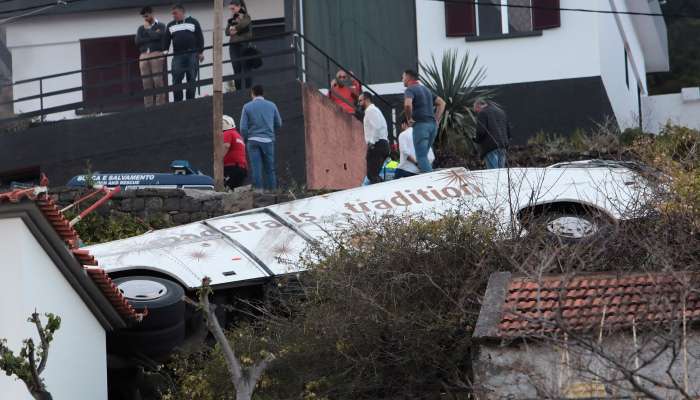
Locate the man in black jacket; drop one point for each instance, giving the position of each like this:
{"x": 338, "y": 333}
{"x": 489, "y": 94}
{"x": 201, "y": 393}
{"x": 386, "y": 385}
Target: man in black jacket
{"x": 188, "y": 46}
{"x": 492, "y": 133}
{"x": 149, "y": 39}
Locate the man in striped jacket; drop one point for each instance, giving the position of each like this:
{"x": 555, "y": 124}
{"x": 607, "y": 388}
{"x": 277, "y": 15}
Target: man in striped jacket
{"x": 188, "y": 46}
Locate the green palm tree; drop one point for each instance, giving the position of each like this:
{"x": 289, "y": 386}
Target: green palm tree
{"x": 456, "y": 79}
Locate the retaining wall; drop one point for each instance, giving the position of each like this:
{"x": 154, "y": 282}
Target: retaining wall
{"x": 175, "y": 206}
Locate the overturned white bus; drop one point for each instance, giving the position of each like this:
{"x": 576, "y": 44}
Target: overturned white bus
{"x": 573, "y": 200}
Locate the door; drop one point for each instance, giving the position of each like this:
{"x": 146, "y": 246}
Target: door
{"x": 111, "y": 78}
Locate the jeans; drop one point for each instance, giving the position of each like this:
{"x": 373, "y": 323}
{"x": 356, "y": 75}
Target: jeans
{"x": 235, "y": 50}
{"x": 495, "y": 159}
{"x": 376, "y": 155}
{"x": 184, "y": 65}
{"x": 151, "y": 67}
{"x": 424, "y": 134}
{"x": 262, "y": 161}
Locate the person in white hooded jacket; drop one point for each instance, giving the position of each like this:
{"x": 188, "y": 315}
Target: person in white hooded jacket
{"x": 408, "y": 164}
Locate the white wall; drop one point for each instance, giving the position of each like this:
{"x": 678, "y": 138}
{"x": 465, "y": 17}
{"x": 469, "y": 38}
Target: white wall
{"x": 671, "y": 108}
{"x": 77, "y": 364}
{"x": 586, "y": 45}
{"x": 51, "y": 44}
{"x": 567, "y": 52}
{"x": 614, "y": 32}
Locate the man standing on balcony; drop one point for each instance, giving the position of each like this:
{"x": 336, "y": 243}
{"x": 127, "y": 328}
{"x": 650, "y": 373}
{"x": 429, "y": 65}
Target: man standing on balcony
{"x": 188, "y": 47}
{"x": 149, "y": 39}
{"x": 259, "y": 121}
{"x": 419, "y": 102}
{"x": 376, "y": 137}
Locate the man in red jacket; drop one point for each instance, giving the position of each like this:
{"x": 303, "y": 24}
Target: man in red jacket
{"x": 345, "y": 91}
{"x": 235, "y": 164}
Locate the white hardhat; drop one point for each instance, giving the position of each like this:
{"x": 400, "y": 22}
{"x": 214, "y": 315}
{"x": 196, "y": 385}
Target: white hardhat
{"x": 228, "y": 123}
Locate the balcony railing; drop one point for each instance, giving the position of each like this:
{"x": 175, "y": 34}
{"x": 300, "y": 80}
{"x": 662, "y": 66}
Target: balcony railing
{"x": 299, "y": 57}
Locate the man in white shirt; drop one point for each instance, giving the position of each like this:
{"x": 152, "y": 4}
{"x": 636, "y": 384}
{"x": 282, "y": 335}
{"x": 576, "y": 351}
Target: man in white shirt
{"x": 408, "y": 163}
{"x": 376, "y": 137}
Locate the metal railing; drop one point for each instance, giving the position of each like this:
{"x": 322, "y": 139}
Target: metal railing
{"x": 322, "y": 73}
{"x": 299, "y": 57}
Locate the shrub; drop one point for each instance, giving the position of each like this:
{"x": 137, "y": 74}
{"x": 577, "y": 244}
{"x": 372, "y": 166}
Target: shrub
{"x": 676, "y": 152}
{"x": 95, "y": 228}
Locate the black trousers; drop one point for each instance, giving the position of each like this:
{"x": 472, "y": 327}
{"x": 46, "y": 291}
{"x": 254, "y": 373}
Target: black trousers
{"x": 235, "y": 51}
{"x": 235, "y": 176}
{"x": 402, "y": 173}
{"x": 376, "y": 154}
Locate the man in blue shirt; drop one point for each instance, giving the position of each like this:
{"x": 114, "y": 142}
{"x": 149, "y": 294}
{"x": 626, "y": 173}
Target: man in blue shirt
{"x": 418, "y": 109}
{"x": 259, "y": 121}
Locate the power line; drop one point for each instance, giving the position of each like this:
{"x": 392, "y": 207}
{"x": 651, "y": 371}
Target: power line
{"x": 39, "y": 7}
{"x": 584, "y": 10}
{"x": 35, "y": 10}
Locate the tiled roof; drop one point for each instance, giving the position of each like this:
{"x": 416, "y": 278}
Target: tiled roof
{"x": 528, "y": 307}
{"x": 62, "y": 226}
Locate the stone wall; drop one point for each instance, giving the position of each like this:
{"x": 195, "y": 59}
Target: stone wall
{"x": 552, "y": 368}
{"x": 174, "y": 206}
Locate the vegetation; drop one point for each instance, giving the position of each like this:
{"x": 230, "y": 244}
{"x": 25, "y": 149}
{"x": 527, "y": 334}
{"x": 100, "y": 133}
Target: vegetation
{"x": 31, "y": 361}
{"x": 243, "y": 373}
{"x": 96, "y": 228}
{"x": 457, "y": 80}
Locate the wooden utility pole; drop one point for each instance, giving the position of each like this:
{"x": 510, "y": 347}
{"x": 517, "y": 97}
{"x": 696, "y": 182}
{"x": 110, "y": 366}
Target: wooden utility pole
{"x": 218, "y": 98}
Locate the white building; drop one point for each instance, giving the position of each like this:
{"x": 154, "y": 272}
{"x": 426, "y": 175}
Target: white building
{"x": 97, "y": 32}
{"x": 556, "y": 70}
{"x": 618, "y": 50}
{"x": 676, "y": 109}
{"x": 43, "y": 272}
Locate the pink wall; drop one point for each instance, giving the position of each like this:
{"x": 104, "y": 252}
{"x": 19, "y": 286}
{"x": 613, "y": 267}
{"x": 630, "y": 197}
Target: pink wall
{"x": 335, "y": 145}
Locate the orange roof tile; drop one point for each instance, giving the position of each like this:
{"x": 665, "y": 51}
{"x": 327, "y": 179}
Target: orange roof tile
{"x": 531, "y": 307}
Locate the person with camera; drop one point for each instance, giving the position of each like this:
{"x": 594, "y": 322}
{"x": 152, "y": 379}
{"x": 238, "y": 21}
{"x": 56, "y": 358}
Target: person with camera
{"x": 240, "y": 31}
{"x": 344, "y": 91}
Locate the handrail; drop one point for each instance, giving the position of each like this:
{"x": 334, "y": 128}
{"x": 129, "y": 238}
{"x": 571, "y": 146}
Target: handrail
{"x": 135, "y": 60}
{"x": 323, "y": 53}
{"x": 165, "y": 89}
{"x": 135, "y": 79}
{"x": 296, "y": 48}
{"x": 391, "y": 123}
